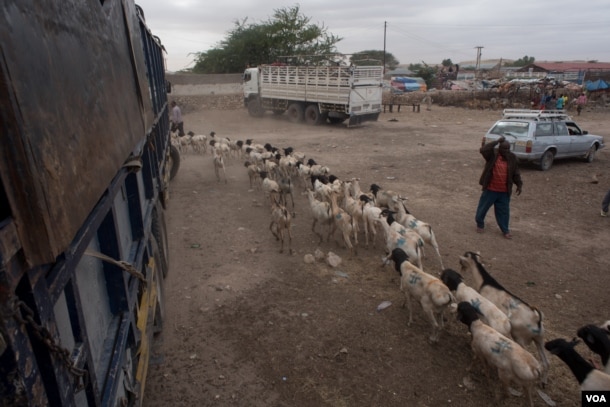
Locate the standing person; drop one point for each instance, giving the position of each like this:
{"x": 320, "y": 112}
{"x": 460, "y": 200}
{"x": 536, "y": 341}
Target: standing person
{"x": 500, "y": 173}
{"x": 581, "y": 102}
{"x": 560, "y": 102}
{"x": 605, "y": 204}
{"x": 176, "y": 118}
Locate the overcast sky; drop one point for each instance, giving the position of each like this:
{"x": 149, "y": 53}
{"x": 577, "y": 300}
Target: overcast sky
{"x": 429, "y": 31}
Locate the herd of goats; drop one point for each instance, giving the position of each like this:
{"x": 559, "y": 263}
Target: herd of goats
{"x": 501, "y": 324}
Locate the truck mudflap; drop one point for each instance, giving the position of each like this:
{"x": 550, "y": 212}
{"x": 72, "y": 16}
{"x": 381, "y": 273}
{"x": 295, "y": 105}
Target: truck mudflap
{"x": 359, "y": 119}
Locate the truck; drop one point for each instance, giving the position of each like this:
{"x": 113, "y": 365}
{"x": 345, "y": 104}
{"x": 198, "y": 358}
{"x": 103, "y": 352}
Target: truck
{"x": 85, "y": 165}
{"x": 315, "y": 94}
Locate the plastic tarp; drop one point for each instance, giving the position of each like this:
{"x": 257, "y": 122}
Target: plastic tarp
{"x": 599, "y": 84}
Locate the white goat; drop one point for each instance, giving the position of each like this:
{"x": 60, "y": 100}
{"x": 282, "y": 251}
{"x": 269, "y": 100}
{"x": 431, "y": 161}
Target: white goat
{"x": 219, "y": 164}
{"x": 512, "y": 362}
{"x": 384, "y": 198}
{"x": 525, "y": 320}
{"x": 253, "y": 174}
{"x": 198, "y": 142}
{"x": 271, "y": 189}
{"x": 432, "y": 294}
{"x": 372, "y": 219}
{"x": 398, "y": 236}
{"x": 322, "y": 213}
{"x": 589, "y": 378}
{"x": 490, "y": 314}
{"x": 343, "y": 222}
{"x": 422, "y": 228}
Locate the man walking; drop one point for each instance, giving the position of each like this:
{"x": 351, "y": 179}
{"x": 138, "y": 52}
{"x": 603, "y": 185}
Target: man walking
{"x": 176, "y": 118}
{"x": 500, "y": 173}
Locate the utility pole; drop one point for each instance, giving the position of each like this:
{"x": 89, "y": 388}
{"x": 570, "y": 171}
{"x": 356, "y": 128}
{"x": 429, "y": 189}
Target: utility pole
{"x": 385, "y": 26}
{"x": 478, "y": 63}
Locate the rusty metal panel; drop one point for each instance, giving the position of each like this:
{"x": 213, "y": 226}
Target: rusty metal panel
{"x": 72, "y": 111}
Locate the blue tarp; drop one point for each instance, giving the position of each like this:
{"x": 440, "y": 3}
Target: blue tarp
{"x": 597, "y": 85}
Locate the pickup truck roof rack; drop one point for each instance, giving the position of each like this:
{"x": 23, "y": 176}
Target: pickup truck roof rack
{"x": 535, "y": 114}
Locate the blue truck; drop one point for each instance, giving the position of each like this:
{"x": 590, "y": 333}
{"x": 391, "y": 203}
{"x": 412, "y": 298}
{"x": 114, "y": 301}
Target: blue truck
{"x": 85, "y": 166}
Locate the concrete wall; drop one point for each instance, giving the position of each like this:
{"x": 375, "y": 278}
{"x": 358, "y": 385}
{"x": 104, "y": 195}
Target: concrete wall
{"x": 199, "y": 85}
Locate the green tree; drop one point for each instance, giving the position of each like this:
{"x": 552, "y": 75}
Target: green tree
{"x": 447, "y": 62}
{"x": 424, "y": 71}
{"x": 286, "y": 37}
{"x": 523, "y": 61}
{"x": 374, "y": 57}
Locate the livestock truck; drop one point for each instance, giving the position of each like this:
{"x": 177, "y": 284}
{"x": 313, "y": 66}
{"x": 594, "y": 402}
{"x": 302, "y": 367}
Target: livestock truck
{"x": 315, "y": 94}
{"x": 85, "y": 162}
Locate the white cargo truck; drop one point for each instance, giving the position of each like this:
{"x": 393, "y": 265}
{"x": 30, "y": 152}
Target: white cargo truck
{"x": 315, "y": 94}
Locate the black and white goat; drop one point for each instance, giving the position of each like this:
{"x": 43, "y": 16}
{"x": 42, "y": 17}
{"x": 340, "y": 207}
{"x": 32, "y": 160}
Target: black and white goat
{"x": 432, "y": 294}
{"x": 525, "y": 320}
{"x": 589, "y": 378}
{"x": 508, "y": 358}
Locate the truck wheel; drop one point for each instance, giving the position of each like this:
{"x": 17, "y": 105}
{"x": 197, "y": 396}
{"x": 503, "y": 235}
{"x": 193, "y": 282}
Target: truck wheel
{"x": 159, "y": 284}
{"x": 295, "y": 113}
{"x": 313, "y": 116}
{"x": 255, "y": 109}
{"x": 159, "y": 232}
{"x": 174, "y": 162}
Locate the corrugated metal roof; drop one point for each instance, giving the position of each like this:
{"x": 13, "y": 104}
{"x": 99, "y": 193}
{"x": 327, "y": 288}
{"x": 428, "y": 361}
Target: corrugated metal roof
{"x": 568, "y": 66}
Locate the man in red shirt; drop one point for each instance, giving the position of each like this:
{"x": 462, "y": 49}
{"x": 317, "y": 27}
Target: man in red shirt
{"x": 500, "y": 173}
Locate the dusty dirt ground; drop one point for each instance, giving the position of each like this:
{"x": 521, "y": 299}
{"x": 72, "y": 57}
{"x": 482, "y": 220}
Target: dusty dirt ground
{"x": 247, "y": 326}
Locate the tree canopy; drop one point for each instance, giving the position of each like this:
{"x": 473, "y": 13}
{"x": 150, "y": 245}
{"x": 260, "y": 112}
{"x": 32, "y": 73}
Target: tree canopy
{"x": 523, "y": 61}
{"x": 424, "y": 71}
{"x": 374, "y": 57}
{"x": 288, "y": 36}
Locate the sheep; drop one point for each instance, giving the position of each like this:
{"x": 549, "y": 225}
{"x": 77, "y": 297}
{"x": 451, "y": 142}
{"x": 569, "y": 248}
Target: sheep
{"x": 271, "y": 189}
{"x": 383, "y": 198}
{"x": 344, "y": 222}
{"x": 510, "y": 360}
{"x": 357, "y": 192}
{"x": 606, "y": 326}
{"x": 490, "y": 314}
{"x": 432, "y": 294}
{"x": 219, "y": 164}
{"x": 317, "y": 169}
{"x": 598, "y": 341}
{"x": 285, "y": 184}
{"x": 422, "y": 228}
{"x": 354, "y": 208}
{"x": 220, "y": 147}
{"x": 589, "y": 378}
{"x": 372, "y": 218}
{"x": 525, "y": 320}
{"x": 410, "y": 242}
{"x": 280, "y": 224}
{"x": 253, "y": 174}
{"x": 322, "y": 213}
{"x": 198, "y": 142}
{"x": 321, "y": 187}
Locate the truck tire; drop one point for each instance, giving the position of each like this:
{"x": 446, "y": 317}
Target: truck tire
{"x": 159, "y": 233}
{"x": 255, "y": 109}
{"x": 160, "y": 286}
{"x": 174, "y": 162}
{"x": 313, "y": 116}
{"x": 295, "y": 113}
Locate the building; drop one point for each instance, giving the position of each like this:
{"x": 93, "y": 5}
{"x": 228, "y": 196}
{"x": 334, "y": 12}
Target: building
{"x": 573, "y": 71}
